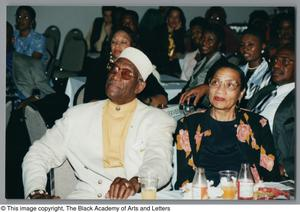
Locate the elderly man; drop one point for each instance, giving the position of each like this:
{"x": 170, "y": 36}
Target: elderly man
{"x": 109, "y": 143}
{"x": 276, "y": 102}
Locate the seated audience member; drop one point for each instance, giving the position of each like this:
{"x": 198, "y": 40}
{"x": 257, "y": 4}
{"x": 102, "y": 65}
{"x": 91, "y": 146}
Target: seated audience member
{"x": 112, "y": 141}
{"x": 218, "y": 15}
{"x": 12, "y": 92}
{"x": 27, "y": 41}
{"x": 101, "y": 30}
{"x": 224, "y": 136}
{"x": 130, "y": 19}
{"x": 153, "y": 94}
{"x": 211, "y": 45}
{"x": 187, "y": 64}
{"x": 276, "y": 102}
{"x": 256, "y": 70}
{"x": 25, "y": 75}
{"x": 167, "y": 43}
{"x": 152, "y": 19}
{"x": 283, "y": 32}
{"x": 26, "y": 84}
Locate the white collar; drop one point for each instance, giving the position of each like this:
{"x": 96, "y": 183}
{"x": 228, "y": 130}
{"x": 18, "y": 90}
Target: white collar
{"x": 286, "y": 88}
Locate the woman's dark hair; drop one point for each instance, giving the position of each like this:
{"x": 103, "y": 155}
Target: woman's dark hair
{"x": 258, "y": 15}
{"x": 181, "y": 14}
{"x": 255, "y": 32}
{"x": 217, "y": 66}
{"x": 31, "y": 13}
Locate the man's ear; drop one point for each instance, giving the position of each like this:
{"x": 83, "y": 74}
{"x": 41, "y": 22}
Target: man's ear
{"x": 140, "y": 86}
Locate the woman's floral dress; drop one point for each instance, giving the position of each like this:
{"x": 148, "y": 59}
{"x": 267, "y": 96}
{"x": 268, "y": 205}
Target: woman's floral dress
{"x": 214, "y": 145}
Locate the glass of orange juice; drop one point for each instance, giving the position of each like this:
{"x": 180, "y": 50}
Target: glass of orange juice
{"x": 148, "y": 187}
{"x": 228, "y": 180}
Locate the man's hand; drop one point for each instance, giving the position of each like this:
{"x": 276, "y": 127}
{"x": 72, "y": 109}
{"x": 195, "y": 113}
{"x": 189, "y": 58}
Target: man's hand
{"x": 197, "y": 92}
{"x": 122, "y": 188}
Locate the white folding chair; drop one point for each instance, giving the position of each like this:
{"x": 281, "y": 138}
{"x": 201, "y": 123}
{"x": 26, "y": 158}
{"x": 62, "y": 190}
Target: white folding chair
{"x": 35, "y": 123}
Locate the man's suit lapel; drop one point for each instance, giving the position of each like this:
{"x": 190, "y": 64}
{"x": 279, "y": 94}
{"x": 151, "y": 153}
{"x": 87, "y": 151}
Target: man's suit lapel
{"x": 286, "y": 109}
{"x": 260, "y": 95}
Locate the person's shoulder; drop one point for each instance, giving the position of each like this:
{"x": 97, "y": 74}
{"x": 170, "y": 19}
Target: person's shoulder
{"x": 252, "y": 117}
{"x": 86, "y": 108}
{"x": 37, "y": 36}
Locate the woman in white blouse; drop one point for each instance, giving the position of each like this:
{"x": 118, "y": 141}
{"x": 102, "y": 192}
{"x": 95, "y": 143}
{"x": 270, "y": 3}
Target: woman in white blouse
{"x": 257, "y": 69}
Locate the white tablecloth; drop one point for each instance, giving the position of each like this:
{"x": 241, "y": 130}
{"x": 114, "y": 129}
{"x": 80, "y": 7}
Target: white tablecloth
{"x": 161, "y": 195}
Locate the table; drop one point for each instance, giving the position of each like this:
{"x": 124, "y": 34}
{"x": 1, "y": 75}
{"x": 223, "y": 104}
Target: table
{"x": 180, "y": 195}
{"x": 73, "y": 84}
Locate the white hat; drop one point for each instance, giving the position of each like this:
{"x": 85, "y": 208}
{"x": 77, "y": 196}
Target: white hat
{"x": 139, "y": 59}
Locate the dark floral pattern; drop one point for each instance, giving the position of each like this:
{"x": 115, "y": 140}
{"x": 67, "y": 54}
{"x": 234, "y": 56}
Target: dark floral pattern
{"x": 252, "y": 135}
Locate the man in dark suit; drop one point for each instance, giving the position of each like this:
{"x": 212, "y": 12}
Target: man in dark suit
{"x": 277, "y": 103}
{"x": 101, "y": 30}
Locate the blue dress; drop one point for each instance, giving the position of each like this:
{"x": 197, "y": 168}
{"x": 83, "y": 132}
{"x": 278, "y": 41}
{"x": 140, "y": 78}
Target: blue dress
{"x": 34, "y": 42}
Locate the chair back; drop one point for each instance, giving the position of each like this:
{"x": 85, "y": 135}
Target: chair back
{"x": 73, "y": 51}
{"x": 35, "y": 123}
{"x": 52, "y": 34}
{"x": 79, "y": 95}
{"x": 63, "y": 180}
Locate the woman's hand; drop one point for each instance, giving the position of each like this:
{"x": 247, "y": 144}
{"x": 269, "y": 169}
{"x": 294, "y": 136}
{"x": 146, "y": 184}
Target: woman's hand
{"x": 197, "y": 92}
{"x": 121, "y": 188}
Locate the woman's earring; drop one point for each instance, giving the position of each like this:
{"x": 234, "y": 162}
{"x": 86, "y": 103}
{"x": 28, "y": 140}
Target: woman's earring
{"x": 262, "y": 51}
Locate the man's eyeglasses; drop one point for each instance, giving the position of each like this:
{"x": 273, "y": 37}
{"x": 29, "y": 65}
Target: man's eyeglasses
{"x": 282, "y": 61}
{"x": 229, "y": 85}
{"x": 126, "y": 74}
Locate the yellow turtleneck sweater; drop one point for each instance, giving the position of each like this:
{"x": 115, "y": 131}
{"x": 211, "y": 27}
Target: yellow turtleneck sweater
{"x": 116, "y": 121}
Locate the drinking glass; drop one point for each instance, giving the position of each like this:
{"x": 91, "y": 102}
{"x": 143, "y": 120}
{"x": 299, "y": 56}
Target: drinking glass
{"x": 148, "y": 187}
{"x": 228, "y": 181}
